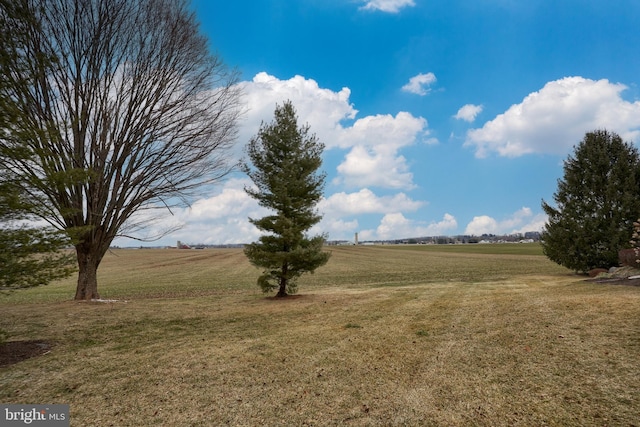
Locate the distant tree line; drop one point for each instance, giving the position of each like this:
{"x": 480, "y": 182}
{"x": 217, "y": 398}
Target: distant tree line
{"x": 448, "y": 240}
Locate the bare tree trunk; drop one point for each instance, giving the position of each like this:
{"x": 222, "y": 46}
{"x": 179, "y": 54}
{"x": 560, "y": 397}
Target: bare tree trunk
{"x": 88, "y": 261}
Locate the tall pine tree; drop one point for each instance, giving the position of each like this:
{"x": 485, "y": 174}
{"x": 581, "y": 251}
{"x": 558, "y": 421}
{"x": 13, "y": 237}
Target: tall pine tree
{"x": 596, "y": 203}
{"x": 284, "y": 168}
{"x": 30, "y": 255}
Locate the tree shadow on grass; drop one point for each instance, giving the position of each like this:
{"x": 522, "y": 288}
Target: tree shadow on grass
{"x": 288, "y": 297}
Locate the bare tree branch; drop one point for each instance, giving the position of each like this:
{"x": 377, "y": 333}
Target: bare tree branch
{"x": 120, "y": 108}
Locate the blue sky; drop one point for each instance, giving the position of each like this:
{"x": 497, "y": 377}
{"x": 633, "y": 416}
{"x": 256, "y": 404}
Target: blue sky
{"x": 440, "y": 117}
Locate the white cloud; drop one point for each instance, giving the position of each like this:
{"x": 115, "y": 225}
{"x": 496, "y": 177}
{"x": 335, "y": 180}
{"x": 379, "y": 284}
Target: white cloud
{"x": 366, "y": 202}
{"x": 390, "y": 6}
{"x": 535, "y": 223}
{"x": 369, "y": 167}
{"x": 556, "y": 118}
{"x": 339, "y": 210}
{"x": 468, "y": 112}
{"x": 397, "y": 226}
{"x": 323, "y": 109}
{"x": 336, "y": 228}
{"x": 231, "y": 201}
{"x": 443, "y": 227}
{"x": 384, "y": 131}
{"x": 419, "y": 84}
{"x": 221, "y": 218}
{"x": 482, "y": 225}
{"x": 374, "y": 141}
{"x": 520, "y": 221}
{"x": 372, "y": 157}
{"x": 394, "y": 225}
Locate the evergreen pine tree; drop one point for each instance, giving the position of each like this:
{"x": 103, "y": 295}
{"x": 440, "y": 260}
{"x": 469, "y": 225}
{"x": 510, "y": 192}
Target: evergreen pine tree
{"x": 596, "y": 203}
{"x": 285, "y": 161}
{"x": 30, "y": 255}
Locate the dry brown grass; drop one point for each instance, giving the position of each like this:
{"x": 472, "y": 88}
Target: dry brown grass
{"x": 380, "y": 336}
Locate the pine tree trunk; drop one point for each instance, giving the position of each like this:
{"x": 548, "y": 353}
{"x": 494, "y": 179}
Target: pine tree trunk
{"x": 88, "y": 261}
{"x": 282, "y": 291}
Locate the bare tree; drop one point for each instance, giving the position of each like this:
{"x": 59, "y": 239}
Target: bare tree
{"x": 117, "y": 108}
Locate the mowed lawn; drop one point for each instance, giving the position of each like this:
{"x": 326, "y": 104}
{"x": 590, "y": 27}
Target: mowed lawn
{"x": 477, "y": 335}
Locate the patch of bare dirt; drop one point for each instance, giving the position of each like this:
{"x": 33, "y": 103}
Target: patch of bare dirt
{"x": 12, "y": 352}
{"x": 617, "y": 281}
{"x": 621, "y": 276}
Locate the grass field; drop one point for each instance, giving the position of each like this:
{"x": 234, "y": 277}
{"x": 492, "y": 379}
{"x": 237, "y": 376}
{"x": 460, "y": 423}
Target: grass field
{"x": 489, "y": 335}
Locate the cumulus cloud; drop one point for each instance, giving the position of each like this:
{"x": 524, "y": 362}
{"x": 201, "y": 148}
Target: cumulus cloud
{"x": 535, "y": 223}
{"x": 520, "y": 221}
{"x": 555, "y": 118}
{"x": 368, "y": 166}
{"x": 374, "y": 159}
{"x": 419, "y": 84}
{"x": 342, "y": 209}
{"x": 371, "y": 146}
{"x": 384, "y": 131}
{"x": 373, "y": 142}
{"x": 397, "y": 226}
{"x": 336, "y": 228}
{"x": 468, "y": 112}
{"x": 324, "y": 109}
{"x": 220, "y": 218}
{"x": 480, "y": 225}
{"x": 232, "y": 201}
{"x": 389, "y": 6}
{"x": 366, "y": 202}
{"x": 446, "y": 225}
